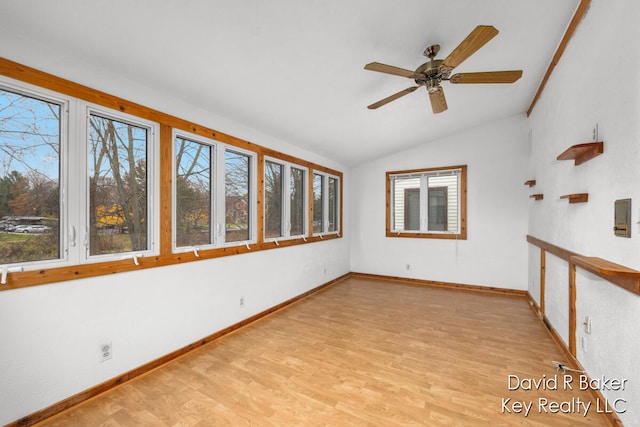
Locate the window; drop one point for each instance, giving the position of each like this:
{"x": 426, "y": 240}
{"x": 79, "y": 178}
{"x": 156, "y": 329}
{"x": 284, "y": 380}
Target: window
{"x": 284, "y": 200}
{"x": 326, "y": 203}
{"x": 427, "y": 203}
{"x": 273, "y": 199}
{"x": 318, "y": 203}
{"x": 194, "y": 174}
{"x": 298, "y": 201}
{"x": 332, "y": 212}
{"x": 31, "y": 130}
{"x": 111, "y": 211}
{"x": 118, "y": 186}
{"x": 80, "y": 183}
{"x": 213, "y": 194}
{"x": 237, "y": 196}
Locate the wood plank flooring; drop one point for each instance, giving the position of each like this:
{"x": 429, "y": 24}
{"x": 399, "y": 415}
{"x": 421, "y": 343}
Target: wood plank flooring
{"x": 360, "y": 353}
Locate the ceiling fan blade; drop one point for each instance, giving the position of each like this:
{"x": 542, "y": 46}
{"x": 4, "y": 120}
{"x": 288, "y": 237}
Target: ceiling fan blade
{"x": 438, "y": 101}
{"x": 390, "y": 69}
{"x": 393, "y": 97}
{"x": 474, "y": 41}
{"x": 487, "y": 77}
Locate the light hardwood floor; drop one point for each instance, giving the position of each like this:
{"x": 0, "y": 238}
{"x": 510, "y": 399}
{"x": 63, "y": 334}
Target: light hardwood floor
{"x": 361, "y": 352}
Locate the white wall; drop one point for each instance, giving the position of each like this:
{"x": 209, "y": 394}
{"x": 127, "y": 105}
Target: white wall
{"x": 50, "y": 335}
{"x": 495, "y": 252}
{"x": 596, "y": 81}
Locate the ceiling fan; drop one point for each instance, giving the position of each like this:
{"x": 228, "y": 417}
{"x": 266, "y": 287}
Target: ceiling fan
{"x": 434, "y": 71}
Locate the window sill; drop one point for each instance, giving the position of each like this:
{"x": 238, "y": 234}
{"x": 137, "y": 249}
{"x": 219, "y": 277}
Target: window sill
{"x": 448, "y": 236}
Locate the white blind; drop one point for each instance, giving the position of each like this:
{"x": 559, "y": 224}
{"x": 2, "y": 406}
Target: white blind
{"x": 447, "y": 172}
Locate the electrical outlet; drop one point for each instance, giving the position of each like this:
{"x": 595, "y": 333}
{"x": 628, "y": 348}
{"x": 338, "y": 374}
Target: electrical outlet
{"x": 408, "y": 266}
{"x": 241, "y": 302}
{"x": 595, "y": 132}
{"x": 106, "y": 351}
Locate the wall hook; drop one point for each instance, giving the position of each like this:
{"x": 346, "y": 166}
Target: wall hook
{"x": 6, "y": 270}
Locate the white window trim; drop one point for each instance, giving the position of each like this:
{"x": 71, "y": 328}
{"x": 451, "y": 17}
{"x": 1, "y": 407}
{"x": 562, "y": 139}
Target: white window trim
{"x": 215, "y": 238}
{"x": 66, "y": 254}
{"x": 153, "y": 187}
{"x": 286, "y": 200}
{"x": 424, "y": 186}
{"x": 325, "y": 204}
{"x": 220, "y": 223}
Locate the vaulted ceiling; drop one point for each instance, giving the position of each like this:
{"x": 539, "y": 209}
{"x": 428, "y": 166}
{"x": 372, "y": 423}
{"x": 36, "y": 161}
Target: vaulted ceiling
{"x": 293, "y": 69}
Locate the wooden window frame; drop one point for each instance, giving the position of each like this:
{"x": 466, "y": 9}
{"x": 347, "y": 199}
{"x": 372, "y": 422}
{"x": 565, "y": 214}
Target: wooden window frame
{"x": 462, "y": 190}
{"x": 17, "y": 74}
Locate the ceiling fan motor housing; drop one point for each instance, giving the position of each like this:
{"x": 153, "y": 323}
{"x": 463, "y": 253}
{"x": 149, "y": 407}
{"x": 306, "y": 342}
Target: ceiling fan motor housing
{"x": 429, "y": 74}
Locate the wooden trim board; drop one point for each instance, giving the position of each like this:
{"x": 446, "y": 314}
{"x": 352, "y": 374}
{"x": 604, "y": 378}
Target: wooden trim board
{"x": 577, "y": 17}
{"x": 449, "y": 285}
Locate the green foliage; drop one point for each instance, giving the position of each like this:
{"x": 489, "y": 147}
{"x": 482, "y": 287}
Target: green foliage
{"x": 27, "y": 247}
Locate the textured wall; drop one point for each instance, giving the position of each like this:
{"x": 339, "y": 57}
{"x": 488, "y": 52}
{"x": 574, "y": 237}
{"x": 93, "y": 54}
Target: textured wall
{"x": 596, "y": 81}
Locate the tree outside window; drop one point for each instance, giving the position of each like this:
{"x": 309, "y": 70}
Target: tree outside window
{"x": 29, "y": 178}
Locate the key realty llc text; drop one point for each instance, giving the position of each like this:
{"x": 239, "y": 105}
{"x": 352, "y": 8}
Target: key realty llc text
{"x": 569, "y": 406}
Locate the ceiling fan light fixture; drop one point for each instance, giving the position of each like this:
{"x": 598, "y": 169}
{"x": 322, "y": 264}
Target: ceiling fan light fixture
{"x": 433, "y": 86}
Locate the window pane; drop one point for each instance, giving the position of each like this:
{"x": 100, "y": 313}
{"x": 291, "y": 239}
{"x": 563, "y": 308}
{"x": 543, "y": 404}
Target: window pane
{"x": 333, "y": 204}
{"x": 117, "y": 186}
{"x": 193, "y": 193}
{"x": 442, "y": 203}
{"x": 272, "y": 199}
{"x": 318, "y": 196}
{"x": 297, "y": 202}
{"x": 29, "y": 179}
{"x": 406, "y": 203}
{"x": 412, "y": 209}
{"x": 237, "y": 170}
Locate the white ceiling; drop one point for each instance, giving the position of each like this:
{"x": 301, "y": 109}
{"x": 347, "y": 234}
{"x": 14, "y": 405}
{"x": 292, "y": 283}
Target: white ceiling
{"x": 294, "y": 68}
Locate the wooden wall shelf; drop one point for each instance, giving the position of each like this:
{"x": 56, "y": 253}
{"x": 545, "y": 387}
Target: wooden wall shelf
{"x": 530, "y": 183}
{"x": 576, "y": 198}
{"x": 537, "y": 196}
{"x": 582, "y": 152}
{"x": 619, "y": 274}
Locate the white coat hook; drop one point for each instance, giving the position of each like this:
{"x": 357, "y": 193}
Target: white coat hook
{"x": 276, "y": 241}
{"x": 6, "y": 270}
{"x": 195, "y": 252}
{"x": 304, "y": 238}
{"x": 321, "y": 237}
{"x": 135, "y": 259}
{"x": 247, "y": 245}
